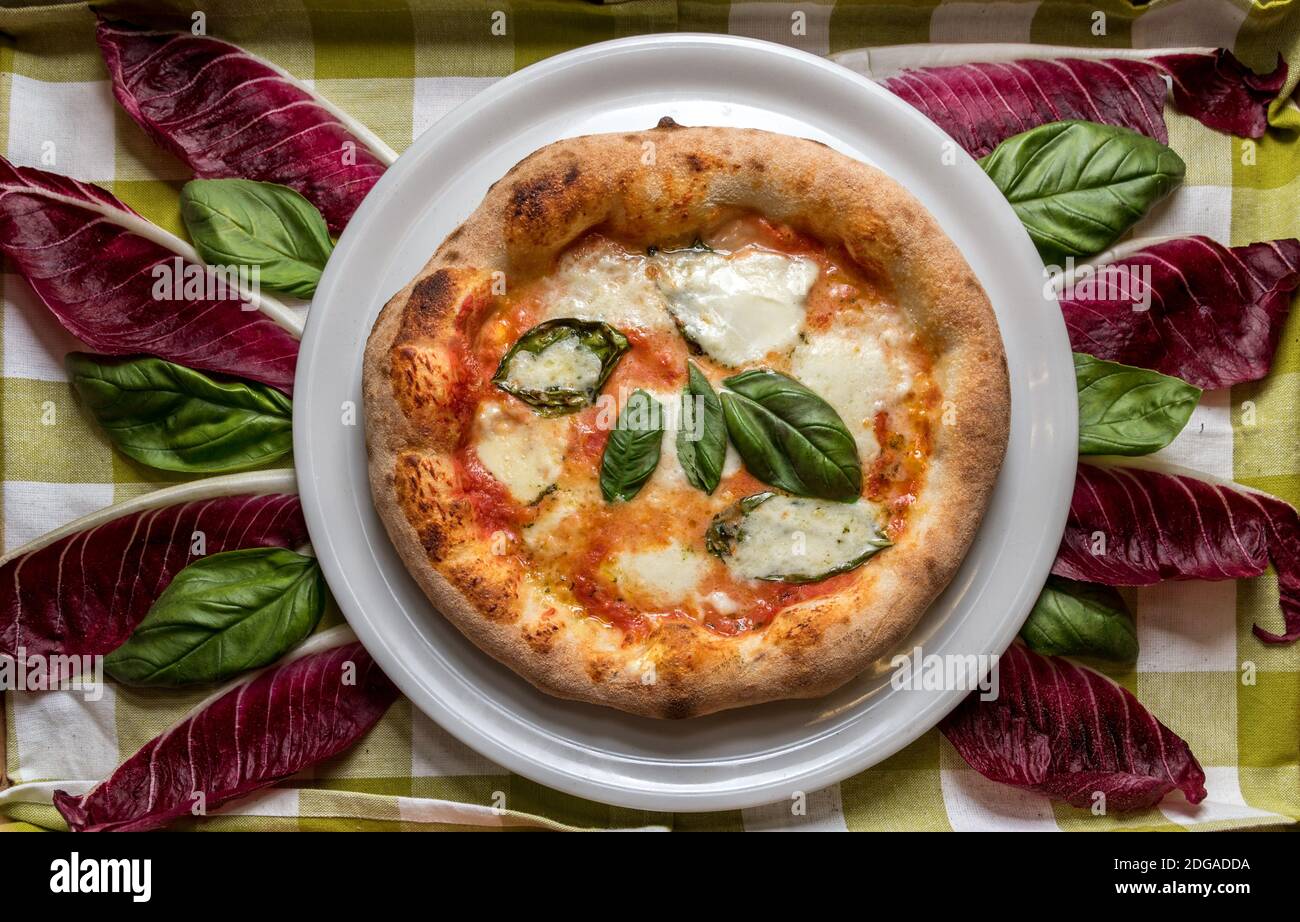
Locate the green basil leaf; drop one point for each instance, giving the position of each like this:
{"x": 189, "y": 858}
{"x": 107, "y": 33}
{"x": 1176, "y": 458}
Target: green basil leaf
{"x": 1129, "y": 411}
{"x": 240, "y": 222}
{"x": 574, "y": 387}
{"x": 697, "y": 245}
{"x": 632, "y": 450}
{"x": 702, "y": 433}
{"x": 789, "y": 437}
{"x": 1077, "y": 186}
{"x": 176, "y": 419}
{"x": 222, "y": 615}
{"x": 1072, "y": 618}
{"x": 724, "y": 531}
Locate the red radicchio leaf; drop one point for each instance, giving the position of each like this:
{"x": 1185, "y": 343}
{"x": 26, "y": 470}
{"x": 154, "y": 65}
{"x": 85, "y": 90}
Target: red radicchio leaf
{"x": 229, "y": 114}
{"x": 1222, "y": 93}
{"x": 1067, "y": 732}
{"x": 981, "y": 105}
{"x": 92, "y": 261}
{"x": 1215, "y": 313}
{"x": 284, "y": 720}
{"x": 83, "y": 595}
{"x": 1147, "y": 526}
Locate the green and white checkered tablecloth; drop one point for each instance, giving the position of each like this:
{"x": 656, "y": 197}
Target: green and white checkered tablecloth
{"x": 399, "y": 66}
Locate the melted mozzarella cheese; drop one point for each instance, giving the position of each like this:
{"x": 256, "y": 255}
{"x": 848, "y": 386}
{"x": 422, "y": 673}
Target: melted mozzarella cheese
{"x": 519, "y": 448}
{"x": 547, "y": 535}
{"x": 666, "y": 575}
{"x": 848, "y": 369}
{"x": 609, "y": 286}
{"x": 795, "y": 538}
{"x": 722, "y": 603}
{"x": 737, "y": 308}
{"x": 565, "y": 364}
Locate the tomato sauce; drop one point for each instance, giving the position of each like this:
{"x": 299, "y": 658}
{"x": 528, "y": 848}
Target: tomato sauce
{"x": 896, "y": 476}
{"x": 494, "y": 508}
{"x": 486, "y": 329}
{"x": 753, "y": 604}
{"x": 587, "y": 443}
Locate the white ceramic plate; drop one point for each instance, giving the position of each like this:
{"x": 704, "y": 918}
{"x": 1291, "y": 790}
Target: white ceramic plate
{"x": 738, "y": 758}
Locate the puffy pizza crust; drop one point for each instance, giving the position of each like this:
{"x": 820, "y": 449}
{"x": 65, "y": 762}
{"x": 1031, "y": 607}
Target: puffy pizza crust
{"x": 646, "y": 185}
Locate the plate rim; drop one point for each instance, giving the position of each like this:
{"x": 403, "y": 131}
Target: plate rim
{"x": 703, "y": 798}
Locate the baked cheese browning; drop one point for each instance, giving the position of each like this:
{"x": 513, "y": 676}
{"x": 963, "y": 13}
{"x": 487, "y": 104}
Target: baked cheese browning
{"x": 638, "y": 563}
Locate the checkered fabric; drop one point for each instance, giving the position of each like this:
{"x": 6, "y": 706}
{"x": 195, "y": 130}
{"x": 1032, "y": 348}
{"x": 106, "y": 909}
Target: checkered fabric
{"x": 401, "y": 66}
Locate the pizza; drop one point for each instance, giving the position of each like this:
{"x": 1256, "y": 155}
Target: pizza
{"x": 687, "y": 419}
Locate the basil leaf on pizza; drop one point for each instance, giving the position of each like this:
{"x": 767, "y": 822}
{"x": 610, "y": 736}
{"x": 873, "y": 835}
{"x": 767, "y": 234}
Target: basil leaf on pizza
{"x": 559, "y": 366}
{"x": 1077, "y": 186}
{"x": 697, "y": 245}
{"x": 792, "y": 539}
{"x": 789, "y": 437}
{"x": 1129, "y": 411}
{"x": 702, "y": 432}
{"x": 632, "y": 450}
{"x": 724, "y": 530}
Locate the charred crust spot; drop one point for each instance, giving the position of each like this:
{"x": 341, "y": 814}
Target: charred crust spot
{"x": 536, "y": 199}
{"x": 695, "y": 163}
{"x": 542, "y": 636}
{"x": 802, "y": 635}
{"x": 494, "y": 599}
{"x": 676, "y": 655}
{"x": 420, "y": 486}
{"x": 433, "y": 294}
{"x": 421, "y": 381}
{"x": 434, "y": 541}
{"x": 599, "y": 669}
{"x": 453, "y": 255}
{"x": 758, "y": 166}
{"x": 455, "y": 235}
{"x": 417, "y": 487}
{"x": 529, "y": 198}
{"x": 676, "y": 708}
{"x": 667, "y": 123}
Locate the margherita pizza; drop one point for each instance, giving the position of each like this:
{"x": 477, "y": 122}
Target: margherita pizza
{"x": 687, "y": 419}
